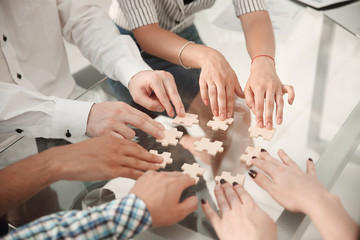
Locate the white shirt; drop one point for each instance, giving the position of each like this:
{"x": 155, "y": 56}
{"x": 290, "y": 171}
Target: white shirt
{"x": 172, "y": 15}
{"x": 32, "y": 47}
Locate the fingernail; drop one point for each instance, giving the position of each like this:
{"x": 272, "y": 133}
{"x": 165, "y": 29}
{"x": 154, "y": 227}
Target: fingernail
{"x": 269, "y": 125}
{"x": 161, "y": 126}
{"x": 228, "y": 115}
{"x": 159, "y": 109}
{"x": 215, "y": 112}
{"x": 279, "y": 121}
{"x": 253, "y": 157}
{"x": 160, "y": 134}
{"x": 263, "y": 150}
{"x": 222, "y": 181}
{"x": 222, "y": 116}
{"x": 260, "y": 123}
{"x": 205, "y": 102}
{"x": 310, "y": 159}
{"x": 157, "y": 165}
{"x": 203, "y": 201}
{"x": 235, "y": 183}
{"x": 252, "y": 173}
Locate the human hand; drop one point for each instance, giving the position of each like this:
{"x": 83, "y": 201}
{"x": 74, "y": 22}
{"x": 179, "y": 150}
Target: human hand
{"x": 154, "y": 90}
{"x": 264, "y": 84}
{"x": 218, "y": 82}
{"x": 113, "y": 117}
{"x": 292, "y": 188}
{"x": 161, "y": 192}
{"x": 240, "y": 217}
{"x": 102, "y": 158}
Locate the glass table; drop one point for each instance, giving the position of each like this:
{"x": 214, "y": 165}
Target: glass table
{"x": 323, "y": 123}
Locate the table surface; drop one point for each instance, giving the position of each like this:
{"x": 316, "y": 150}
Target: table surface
{"x": 322, "y": 124}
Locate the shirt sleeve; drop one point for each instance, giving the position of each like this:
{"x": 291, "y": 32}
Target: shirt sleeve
{"x": 87, "y": 26}
{"x": 248, "y": 6}
{"x": 27, "y": 113}
{"x": 138, "y": 13}
{"x": 117, "y": 219}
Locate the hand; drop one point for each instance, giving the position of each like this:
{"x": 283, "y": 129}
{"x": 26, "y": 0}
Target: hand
{"x": 161, "y": 192}
{"x": 288, "y": 184}
{"x": 218, "y": 82}
{"x": 102, "y": 158}
{"x": 113, "y": 117}
{"x": 264, "y": 84}
{"x": 240, "y": 217}
{"x": 154, "y": 90}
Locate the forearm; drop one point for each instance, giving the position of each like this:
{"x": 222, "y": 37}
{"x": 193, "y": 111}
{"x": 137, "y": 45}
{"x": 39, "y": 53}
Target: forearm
{"x": 24, "y": 179}
{"x": 117, "y": 219}
{"x": 259, "y": 34}
{"x": 167, "y": 45}
{"x": 331, "y": 219}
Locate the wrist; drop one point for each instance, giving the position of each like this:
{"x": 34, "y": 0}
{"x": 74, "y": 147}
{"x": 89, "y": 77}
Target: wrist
{"x": 320, "y": 203}
{"x": 262, "y": 63}
{"x": 198, "y": 55}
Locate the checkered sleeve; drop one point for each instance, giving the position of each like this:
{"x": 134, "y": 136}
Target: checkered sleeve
{"x": 117, "y": 219}
{"x": 248, "y": 6}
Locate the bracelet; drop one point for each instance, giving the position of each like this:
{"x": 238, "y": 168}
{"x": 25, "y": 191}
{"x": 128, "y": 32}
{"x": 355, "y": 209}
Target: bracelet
{"x": 263, "y": 56}
{"x": 179, "y": 54}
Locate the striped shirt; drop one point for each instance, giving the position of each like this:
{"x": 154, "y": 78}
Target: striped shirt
{"x": 172, "y": 15}
{"x": 114, "y": 220}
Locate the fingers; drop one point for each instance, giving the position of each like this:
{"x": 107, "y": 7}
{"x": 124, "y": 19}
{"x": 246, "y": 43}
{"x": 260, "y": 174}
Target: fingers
{"x": 188, "y": 206}
{"x": 230, "y": 195}
{"x": 137, "y": 164}
{"x": 262, "y": 180}
{"x": 230, "y": 101}
{"x": 310, "y": 167}
{"x": 136, "y": 151}
{"x": 243, "y": 194}
{"x": 285, "y": 158}
{"x": 213, "y": 99}
{"x": 290, "y": 91}
{"x": 210, "y": 213}
{"x": 175, "y": 97}
{"x": 130, "y": 173}
{"x": 267, "y": 166}
{"x": 259, "y": 108}
{"x": 185, "y": 181}
{"x": 221, "y": 199}
{"x": 279, "y": 107}
{"x": 221, "y": 99}
{"x": 269, "y": 109}
{"x": 250, "y": 99}
{"x": 123, "y": 130}
{"x": 203, "y": 91}
{"x": 161, "y": 94}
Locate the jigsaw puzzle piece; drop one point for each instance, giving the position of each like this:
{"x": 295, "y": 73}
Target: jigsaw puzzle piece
{"x": 193, "y": 170}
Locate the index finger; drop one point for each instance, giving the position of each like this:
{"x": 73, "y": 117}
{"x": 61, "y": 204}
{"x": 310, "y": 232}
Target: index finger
{"x": 173, "y": 93}
{"x": 269, "y": 108}
{"x": 161, "y": 94}
{"x": 259, "y": 108}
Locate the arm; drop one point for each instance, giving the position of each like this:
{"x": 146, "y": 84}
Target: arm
{"x": 89, "y": 28}
{"x": 51, "y": 117}
{"x": 121, "y": 219}
{"x": 148, "y": 204}
{"x": 263, "y": 82}
{"x": 92, "y": 160}
{"x": 302, "y": 192}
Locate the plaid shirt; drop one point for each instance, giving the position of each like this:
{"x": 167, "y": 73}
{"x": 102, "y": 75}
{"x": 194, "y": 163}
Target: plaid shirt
{"x": 116, "y": 220}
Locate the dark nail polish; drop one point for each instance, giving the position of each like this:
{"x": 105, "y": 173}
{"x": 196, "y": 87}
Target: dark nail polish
{"x": 263, "y": 150}
{"x": 222, "y": 181}
{"x": 235, "y": 183}
{"x": 310, "y": 159}
{"x": 252, "y": 173}
{"x": 253, "y": 157}
{"x": 203, "y": 201}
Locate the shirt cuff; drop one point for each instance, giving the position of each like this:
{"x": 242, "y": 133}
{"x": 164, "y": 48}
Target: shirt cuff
{"x": 247, "y": 6}
{"x": 134, "y": 217}
{"x": 70, "y": 118}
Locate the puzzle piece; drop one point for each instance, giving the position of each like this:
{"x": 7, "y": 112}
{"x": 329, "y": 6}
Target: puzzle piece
{"x": 170, "y": 137}
{"x": 264, "y": 132}
{"x": 211, "y": 147}
{"x": 187, "y": 121}
{"x": 165, "y": 155}
{"x": 193, "y": 170}
{"x": 217, "y": 124}
{"x": 250, "y": 152}
{"x": 239, "y": 178}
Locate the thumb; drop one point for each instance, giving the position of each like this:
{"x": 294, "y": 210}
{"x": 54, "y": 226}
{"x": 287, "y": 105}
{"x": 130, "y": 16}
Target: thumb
{"x": 238, "y": 91}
